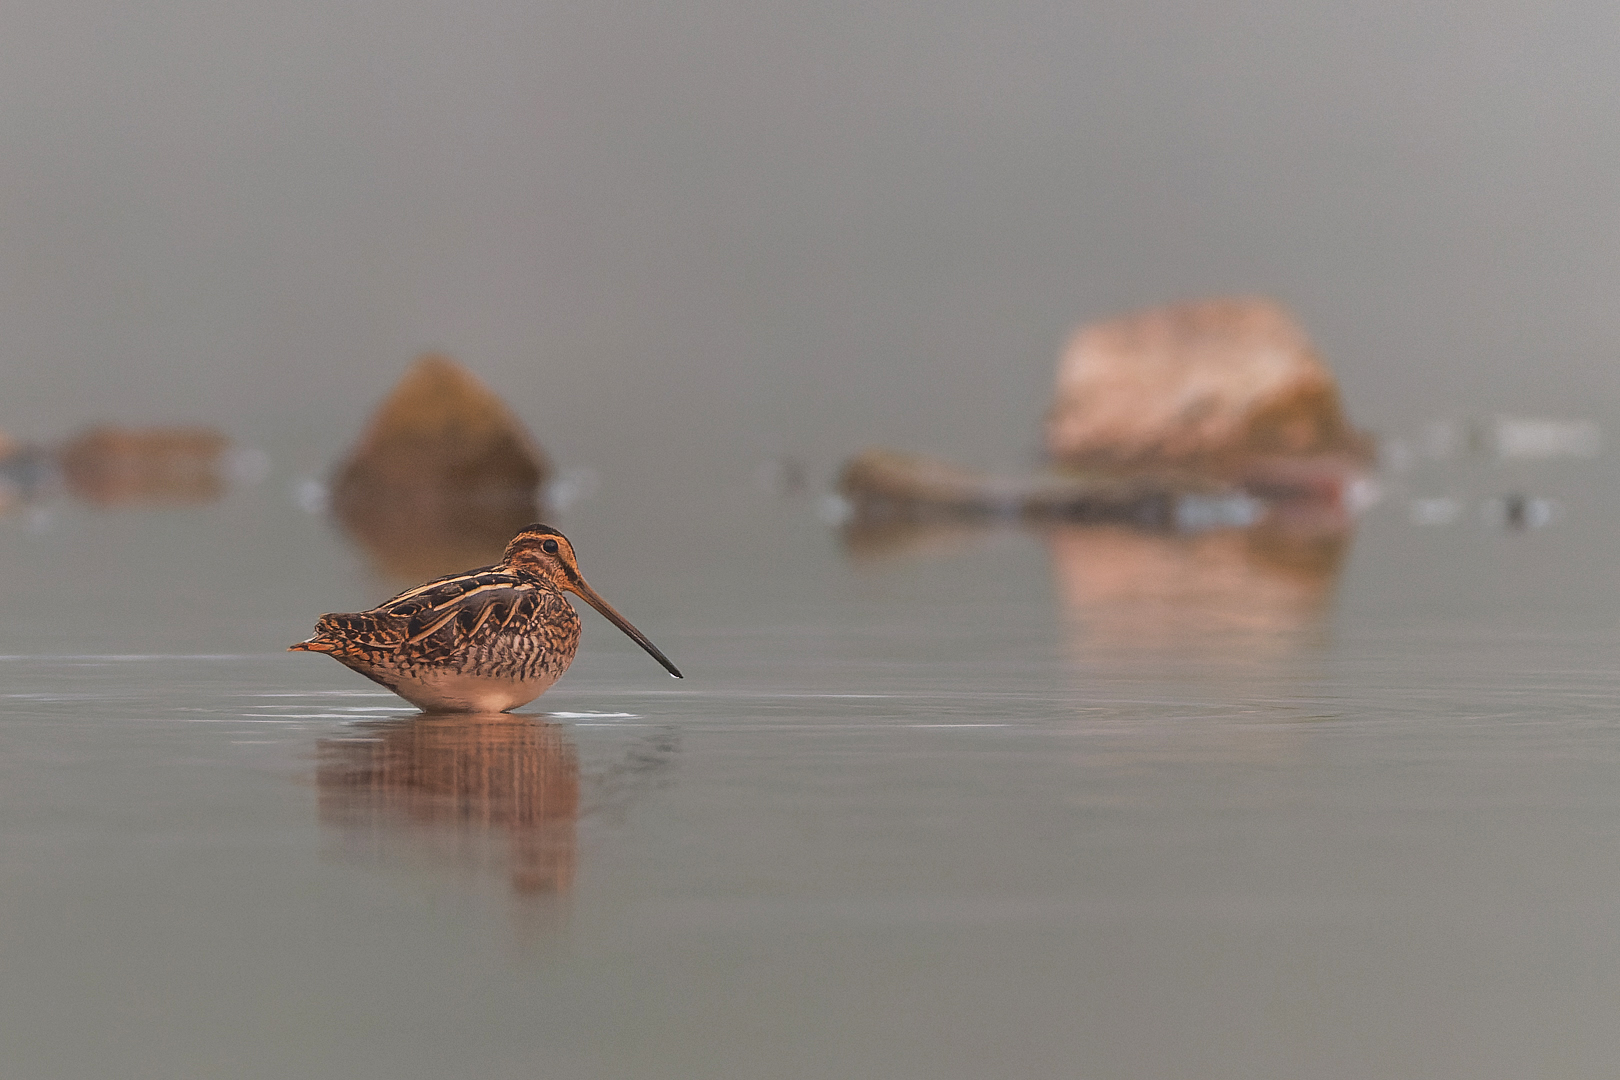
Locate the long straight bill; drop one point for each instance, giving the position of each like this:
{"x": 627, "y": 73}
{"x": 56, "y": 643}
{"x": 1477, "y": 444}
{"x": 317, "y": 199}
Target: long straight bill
{"x": 589, "y": 595}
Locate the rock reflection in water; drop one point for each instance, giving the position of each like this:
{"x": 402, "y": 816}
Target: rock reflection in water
{"x": 451, "y": 786}
{"x": 1224, "y": 594}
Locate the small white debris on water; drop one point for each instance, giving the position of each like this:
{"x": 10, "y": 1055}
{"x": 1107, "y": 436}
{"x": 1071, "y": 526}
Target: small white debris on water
{"x": 1438, "y": 511}
{"x": 571, "y": 486}
{"x": 1537, "y": 439}
{"x": 311, "y": 496}
{"x": 834, "y": 510}
{"x": 1362, "y": 494}
{"x": 1197, "y": 513}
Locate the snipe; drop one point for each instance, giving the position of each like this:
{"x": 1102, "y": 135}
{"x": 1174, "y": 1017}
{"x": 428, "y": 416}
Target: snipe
{"x": 487, "y": 640}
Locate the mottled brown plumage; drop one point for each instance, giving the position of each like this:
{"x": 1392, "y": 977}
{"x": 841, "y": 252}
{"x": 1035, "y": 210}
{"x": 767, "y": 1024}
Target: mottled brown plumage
{"x": 487, "y": 640}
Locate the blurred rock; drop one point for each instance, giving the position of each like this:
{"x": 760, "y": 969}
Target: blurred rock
{"x": 886, "y": 486}
{"x": 1210, "y": 401}
{"x": 448, "y": 786}
{"x": 443, "y": 476}
{"x": 1434, "y": 511}
{"x": 1227, "y": 387}
{"x": 116, "y": 466}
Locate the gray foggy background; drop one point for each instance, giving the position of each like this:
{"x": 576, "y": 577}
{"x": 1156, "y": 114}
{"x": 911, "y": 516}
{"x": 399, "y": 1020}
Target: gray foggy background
{"x": 784, "y": 227}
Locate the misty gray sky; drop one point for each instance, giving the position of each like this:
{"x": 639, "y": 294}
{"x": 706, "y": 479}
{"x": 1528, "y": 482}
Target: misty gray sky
{"x": 803, "y": 227}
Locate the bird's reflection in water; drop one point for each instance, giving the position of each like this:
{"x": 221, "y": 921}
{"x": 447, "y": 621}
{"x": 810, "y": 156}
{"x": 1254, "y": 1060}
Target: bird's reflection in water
{"x": 451, "y": 785}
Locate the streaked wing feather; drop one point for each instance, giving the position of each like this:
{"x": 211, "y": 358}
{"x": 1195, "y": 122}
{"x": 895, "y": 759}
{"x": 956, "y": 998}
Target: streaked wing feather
{"x": 446, "y": 614}
{"x": 526, "y": 606}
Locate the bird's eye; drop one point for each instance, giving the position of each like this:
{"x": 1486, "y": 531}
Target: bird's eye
{"x": 549, "y": 547}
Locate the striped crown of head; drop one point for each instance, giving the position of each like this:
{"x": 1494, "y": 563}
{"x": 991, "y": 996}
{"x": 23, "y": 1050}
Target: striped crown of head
{"x": 541, "y": 548}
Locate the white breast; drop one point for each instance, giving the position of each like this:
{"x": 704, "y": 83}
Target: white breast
{"x": 447, "y": 692}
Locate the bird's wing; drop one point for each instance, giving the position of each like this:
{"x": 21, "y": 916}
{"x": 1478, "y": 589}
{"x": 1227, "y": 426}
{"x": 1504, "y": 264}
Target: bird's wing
{"x": 446, "y": 615}
{"x": 437, "y": 585}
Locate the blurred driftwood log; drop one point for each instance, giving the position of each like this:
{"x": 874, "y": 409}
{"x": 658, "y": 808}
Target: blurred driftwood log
{"x": 442, "y": 477}
{"x": 886, "y": 485}
{"x": 109, "y": 466}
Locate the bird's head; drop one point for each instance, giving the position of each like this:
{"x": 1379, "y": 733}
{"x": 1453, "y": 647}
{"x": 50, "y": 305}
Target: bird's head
{"x": 544, "y": 552}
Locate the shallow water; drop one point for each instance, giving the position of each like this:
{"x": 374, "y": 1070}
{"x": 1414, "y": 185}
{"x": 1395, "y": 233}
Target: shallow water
{"x": 972, "y": 803}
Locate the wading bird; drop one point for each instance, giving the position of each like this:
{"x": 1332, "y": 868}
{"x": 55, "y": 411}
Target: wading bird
{"x": 487, "y": 640}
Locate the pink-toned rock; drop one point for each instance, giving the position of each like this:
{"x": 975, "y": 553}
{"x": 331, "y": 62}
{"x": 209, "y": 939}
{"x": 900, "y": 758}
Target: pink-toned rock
{"x": 1228, "y": 386}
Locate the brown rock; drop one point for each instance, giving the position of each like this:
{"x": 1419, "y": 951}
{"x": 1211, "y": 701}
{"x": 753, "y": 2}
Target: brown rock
{"x": 442, "y": 427}
{"x": 1214, "y": 385}
{"x": 111, "y": 465}
{"x": 443, "y": 476}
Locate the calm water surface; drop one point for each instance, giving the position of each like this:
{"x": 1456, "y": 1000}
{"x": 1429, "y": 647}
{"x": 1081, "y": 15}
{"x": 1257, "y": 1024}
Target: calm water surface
{"x": 977, "y": 803}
